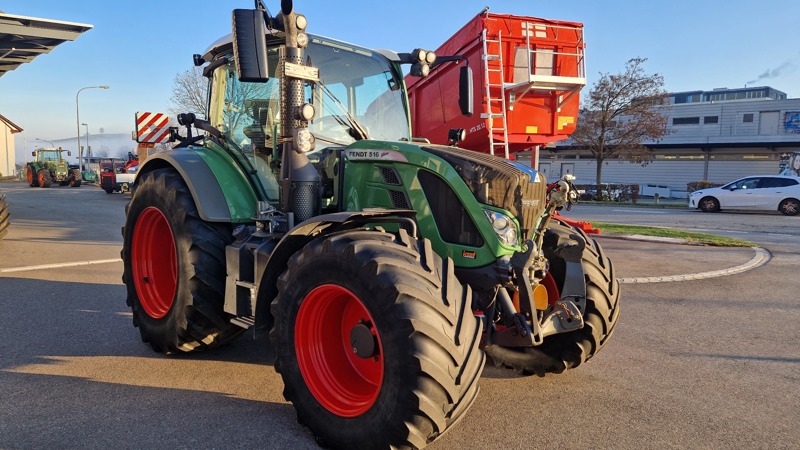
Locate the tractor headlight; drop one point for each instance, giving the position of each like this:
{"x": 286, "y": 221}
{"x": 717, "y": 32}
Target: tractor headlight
{"x": 302, "y": 40}
{"x": 306, "y": 112}
{"x": 504, "y": 227}
{"x": 430, "y": 57}
{"x": 304, "y": 141}
{"x": 301, "y": 22}
{"x": 420, "y": 70}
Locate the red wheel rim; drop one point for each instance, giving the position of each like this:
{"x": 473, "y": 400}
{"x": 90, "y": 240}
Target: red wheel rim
{"x": 30, "y": 175}
{"x": 41, "y": 178}
{"x": 341, "y": 381}
{"x": 552, "y": 289}
{"x": 154, "y": 263}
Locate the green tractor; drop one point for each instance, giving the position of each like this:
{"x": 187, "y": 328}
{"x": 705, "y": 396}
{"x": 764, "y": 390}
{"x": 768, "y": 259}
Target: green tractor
{"x": 383, "y": 269}
{"x": 49, "y": 166}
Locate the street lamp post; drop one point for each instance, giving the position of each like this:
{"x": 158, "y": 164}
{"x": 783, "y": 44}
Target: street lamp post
{"x": 45, "y": 140}
{"x": 88, "y": 149}
{"x": 78, "y": 115}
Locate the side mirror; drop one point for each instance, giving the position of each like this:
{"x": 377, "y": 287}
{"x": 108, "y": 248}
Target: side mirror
{"x": 250, "y": 45}
{"x": 69, "y": 153}
{"x": 33, "y": 153}
{"x": 465, "y": 92}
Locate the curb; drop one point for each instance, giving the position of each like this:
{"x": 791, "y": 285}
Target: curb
{"x": 761, "y": 257}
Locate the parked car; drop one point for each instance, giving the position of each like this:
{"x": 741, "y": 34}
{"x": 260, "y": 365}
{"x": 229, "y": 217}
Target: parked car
{"x": 766, "y": 193}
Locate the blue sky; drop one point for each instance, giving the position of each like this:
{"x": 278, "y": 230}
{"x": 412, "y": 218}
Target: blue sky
{"x": 137, "y": 48}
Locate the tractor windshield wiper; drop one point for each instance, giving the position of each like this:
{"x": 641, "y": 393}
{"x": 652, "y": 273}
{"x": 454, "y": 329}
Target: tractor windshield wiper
{"x": 358, "y": 129}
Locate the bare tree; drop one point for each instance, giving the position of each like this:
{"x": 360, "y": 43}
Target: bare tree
{"x": 622, "y": 112}
{"x": 189, "y": 93}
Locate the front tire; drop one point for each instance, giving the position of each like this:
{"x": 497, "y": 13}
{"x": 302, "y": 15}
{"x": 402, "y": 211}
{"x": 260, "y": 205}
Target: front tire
{"x": 708, "y": 204}
{"x": 375, "y": 341}
{"x": 174, "y": 268}
{"x": 44, "y": 178}
{"x": 563, "y": 351}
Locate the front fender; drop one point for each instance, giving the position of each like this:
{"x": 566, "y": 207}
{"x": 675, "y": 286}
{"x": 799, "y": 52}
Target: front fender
{"x": 218, "y": 186}
{"x": 271, "y": 259}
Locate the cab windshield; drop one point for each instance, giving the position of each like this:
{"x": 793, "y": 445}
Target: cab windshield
{"x": 49, "y": 155}
{"x": 359, "y": 96}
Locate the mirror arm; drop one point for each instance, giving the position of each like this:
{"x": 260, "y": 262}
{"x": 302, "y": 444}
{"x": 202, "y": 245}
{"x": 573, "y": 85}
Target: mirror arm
{"x": 444, "y": 59}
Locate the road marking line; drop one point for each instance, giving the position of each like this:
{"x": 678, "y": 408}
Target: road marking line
{"x": 59, "y": 265}
{"x": 762, "y": 257}
{"x": 639, "y": 211}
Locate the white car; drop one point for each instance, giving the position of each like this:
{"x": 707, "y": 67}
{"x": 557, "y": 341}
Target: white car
{"x": 766, "y": 193}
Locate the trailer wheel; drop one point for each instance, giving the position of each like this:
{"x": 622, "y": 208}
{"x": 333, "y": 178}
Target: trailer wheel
{"x": 5, "y": 216}
{"x": 375, "y": 341}
{"x": 174, "y": 268}
{"x": 44, "y": 179}
{"x": 560, "y": 352}
{"x": 33, "y": 179}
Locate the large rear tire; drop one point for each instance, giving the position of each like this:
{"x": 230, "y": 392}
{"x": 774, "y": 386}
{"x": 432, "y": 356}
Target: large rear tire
{"x": 174, "y": 268}
{"x": 5, "y": 216}
{"x": 375, "y": 341}
{"x": 74, "y": 178}
{"x": 563, "y": 351}
{"x": 33, "y": 179}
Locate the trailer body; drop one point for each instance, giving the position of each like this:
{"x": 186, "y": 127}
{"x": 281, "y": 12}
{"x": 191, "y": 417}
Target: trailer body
{"x": 528, "y": 72}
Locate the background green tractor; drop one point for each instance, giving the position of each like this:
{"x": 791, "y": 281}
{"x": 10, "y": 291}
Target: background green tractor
{"x": 49, "y": 166}
{"x": 384, "y": 269}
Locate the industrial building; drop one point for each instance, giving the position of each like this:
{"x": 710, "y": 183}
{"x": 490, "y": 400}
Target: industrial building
{"x": 718, "y": 136}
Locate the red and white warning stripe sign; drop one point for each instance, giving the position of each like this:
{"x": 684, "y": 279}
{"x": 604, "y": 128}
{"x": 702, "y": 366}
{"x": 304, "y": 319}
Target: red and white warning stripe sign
{"x": 152, "y": 127}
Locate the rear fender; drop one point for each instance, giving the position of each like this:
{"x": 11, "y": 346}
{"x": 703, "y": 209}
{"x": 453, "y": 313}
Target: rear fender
{"x": 219, "y": 188}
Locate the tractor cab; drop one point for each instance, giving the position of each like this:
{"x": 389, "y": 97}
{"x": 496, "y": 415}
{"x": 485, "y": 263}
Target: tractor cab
{"x": 359, "y": 95}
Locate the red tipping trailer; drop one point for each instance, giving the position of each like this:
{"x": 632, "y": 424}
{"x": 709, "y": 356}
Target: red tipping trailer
{"x": 527, "y": 71}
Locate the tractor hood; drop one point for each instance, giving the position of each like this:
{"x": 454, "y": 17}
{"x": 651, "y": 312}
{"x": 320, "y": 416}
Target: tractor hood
{"x": 498, "y": 182}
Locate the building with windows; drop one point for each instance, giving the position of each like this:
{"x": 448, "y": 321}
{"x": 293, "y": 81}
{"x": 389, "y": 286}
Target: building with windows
{"x": 718, "y": 135}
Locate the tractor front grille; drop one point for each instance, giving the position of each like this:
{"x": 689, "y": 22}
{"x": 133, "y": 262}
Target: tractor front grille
{"x": 498, "y": 182}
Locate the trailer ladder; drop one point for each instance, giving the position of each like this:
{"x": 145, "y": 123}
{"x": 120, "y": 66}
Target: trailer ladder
{"x": 495, "y": 84}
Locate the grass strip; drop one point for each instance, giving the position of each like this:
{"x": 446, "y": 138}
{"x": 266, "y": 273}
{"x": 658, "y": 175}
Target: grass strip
{"x": 689, "y": 236}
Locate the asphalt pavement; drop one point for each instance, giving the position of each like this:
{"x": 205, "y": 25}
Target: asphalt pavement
{"x": 698, "y": 363}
